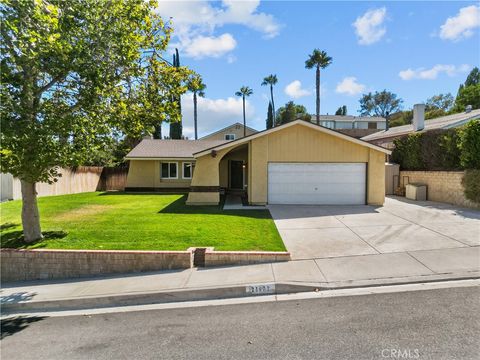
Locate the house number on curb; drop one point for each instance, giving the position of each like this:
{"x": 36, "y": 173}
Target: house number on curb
{"x": 260, "y": 289}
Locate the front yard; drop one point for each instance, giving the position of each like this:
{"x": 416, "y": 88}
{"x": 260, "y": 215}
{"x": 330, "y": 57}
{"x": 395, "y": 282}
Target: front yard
{"x": 117, "y": 221}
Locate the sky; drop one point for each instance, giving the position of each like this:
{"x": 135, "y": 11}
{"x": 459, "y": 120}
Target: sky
{"x": 415, "y": 49}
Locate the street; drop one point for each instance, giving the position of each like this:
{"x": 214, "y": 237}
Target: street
{"x": 430, "y": 324}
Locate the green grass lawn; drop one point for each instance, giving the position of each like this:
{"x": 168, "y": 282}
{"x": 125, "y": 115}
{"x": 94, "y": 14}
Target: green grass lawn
{"x": 117, "y": 221}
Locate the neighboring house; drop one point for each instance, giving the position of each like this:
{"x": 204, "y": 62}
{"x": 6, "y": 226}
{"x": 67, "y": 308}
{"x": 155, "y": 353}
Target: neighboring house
{"x": 419, "y": 124}
{"x": 232, "y": 132}
{"x": 295, "y": 163}
{"x": 352, "y": 125}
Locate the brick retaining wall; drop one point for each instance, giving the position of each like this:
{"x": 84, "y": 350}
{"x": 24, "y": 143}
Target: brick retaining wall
{"x": 443, "y": 186}
{"x": 19, "y": 265}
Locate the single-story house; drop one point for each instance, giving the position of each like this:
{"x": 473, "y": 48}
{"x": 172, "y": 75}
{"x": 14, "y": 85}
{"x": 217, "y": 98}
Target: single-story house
{"x": 419, "y": 124}
{"x": 295, "y": 163}
{"x": 232, "y": 132}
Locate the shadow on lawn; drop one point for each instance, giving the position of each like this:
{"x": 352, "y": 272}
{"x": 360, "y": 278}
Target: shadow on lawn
{"x": 14, "y": 239}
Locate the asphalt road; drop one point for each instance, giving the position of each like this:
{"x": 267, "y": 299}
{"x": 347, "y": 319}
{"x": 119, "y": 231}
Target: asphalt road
{"x": 433, "y": 324}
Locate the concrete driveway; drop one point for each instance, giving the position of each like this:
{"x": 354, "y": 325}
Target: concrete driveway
{"x": 311, "y": 232}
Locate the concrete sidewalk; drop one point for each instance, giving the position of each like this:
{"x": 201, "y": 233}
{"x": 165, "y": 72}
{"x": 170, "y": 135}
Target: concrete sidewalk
{"x": 236, "y": 281}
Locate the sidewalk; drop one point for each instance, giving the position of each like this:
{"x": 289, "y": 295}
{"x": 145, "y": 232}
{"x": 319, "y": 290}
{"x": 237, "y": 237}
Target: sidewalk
{"x": 236, "y": 281}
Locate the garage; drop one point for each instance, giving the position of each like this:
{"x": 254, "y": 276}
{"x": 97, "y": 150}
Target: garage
{"x": 317, "y": 183}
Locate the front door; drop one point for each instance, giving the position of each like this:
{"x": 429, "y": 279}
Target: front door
{"x": 236, "y": 174}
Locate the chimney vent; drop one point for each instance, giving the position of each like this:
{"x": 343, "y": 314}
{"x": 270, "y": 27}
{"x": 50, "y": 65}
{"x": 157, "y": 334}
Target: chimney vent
{"x": 418, "y": 117}
{"x": 468, "y": 108}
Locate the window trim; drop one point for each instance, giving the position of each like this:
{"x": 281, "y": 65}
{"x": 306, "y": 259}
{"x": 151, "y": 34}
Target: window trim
{"x": 191, "y": 169}
{"x": 234, "y": 137}
{"x": 169, "y": 177}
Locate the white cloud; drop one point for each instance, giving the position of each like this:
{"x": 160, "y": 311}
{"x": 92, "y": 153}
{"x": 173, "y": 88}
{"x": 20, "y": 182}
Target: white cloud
{"x": 294, "y": 90}
{"x": 369, "y": 27}
{"x": 209, "y": 46}
{"x": 350, "y": 86}
{"x": 213, "y": 114}
{"x": 200, "y": 19}
{"x": 461, "y": 26}
{"x": 432, "y": 73}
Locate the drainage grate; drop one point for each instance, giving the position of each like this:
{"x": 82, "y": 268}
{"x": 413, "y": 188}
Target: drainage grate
{"x": 199, "y": 257}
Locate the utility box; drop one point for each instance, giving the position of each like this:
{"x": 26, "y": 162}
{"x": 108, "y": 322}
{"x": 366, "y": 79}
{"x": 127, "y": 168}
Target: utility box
{"x": 416, "y": 191}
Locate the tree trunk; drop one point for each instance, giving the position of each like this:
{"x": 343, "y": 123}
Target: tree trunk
{"x": 195, "y": 114}
{"x": 317, "y": 86}
{"x": 273, "y": 105}
{"x": 244, "y": 121}
{"x": 30, "y": 216}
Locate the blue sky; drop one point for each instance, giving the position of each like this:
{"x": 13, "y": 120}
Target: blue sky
{"x": 415, "y": 49}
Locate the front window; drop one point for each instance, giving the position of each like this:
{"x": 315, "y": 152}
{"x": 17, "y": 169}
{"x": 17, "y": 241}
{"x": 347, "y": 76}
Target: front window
{"x": 372, "y": 125}
{"x": 169, "y": 170}
{"x": 229, "y": 136}
{"x": 188, "y": 170}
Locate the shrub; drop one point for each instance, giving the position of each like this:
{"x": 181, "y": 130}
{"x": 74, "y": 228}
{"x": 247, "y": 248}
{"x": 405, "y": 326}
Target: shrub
{"x": 440, "y": 151}
{"x": 471, "y": 185}
{"x": 470, "y": 145}
{"x": 408, "y": 152}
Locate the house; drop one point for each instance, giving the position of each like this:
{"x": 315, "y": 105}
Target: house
{"x": 295, "y": 163}
{"x": 356, "y": 126}
{"x": 419, "y": 124}
{"x": 232, "y": 132}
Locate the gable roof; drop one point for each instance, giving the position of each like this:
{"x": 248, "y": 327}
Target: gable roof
{"x": 287, "y": 125}
{"x": 443, "y": 122}
{"x": 169, "y": 149}
{"x": 228, "y": 127}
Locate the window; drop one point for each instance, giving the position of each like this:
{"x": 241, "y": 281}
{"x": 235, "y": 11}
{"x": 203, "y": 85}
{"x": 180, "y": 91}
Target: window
{"x": 188, "y": 170}
{"x": 169, "y": 170}
{"x": 229, "y": 136}
{"x": 372, "y": 125}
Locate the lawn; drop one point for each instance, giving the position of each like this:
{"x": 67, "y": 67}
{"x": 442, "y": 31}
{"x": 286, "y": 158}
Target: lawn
{"x": 117, "y": 221}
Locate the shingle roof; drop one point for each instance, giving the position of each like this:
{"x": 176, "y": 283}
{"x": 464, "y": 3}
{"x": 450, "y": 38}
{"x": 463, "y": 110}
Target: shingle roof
{"x": 150, "y": 148}
{"x": 228, "y": 127}
{"x": 444, "y": 122}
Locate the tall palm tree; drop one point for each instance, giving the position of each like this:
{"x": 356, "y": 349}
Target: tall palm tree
{"x": 197, "y": 87}
{"x": 245, "y": 91}
{"x": 318, "y": 60}
{"x": 271, "y": 80}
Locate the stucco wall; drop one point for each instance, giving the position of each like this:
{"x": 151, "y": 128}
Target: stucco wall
{"x": 234, "y": 129}
{"x": 146, "y": 174}
{"x": 442, "y": 186}
{"x": 301, "y": 144}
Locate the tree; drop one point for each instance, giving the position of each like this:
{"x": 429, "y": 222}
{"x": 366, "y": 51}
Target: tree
{"x": 197, "y": 87}
{"x": 469, "y": 92}
{"x": 269, "y": 121}
{"x": 291, "y": 112}
{"x": 176, "y": 127}
{"x": 342, "y": 110}
{"x": 244, "y": 92}
{"x": 438, "y": 105}
{"x": 379, "y": 104}
{"x": 72, "y": 77}
{"x": 271, "y": 80}
{"x": 318, "y": 60}
{"x": 473, "y": 77}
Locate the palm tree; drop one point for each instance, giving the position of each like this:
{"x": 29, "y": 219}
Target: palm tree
{"x": 318, "y": 60}
{"x": 271, "y": 80}
{"x": 197, "y": 87}
{"x": 244, "y": 92}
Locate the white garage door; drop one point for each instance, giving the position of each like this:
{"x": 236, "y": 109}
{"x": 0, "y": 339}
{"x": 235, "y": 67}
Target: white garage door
{"x": 317, "y": 183}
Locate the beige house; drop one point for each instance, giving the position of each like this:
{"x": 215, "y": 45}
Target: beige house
{"x": 295, "y": 163}
{"x": 232, "y": 132}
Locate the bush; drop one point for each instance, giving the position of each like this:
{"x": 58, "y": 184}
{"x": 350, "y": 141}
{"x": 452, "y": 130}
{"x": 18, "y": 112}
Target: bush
{"x": 471, "y": 185}
{"x": 408, "y": 152}
{"x": 470, "y": 145}
{"x": 440, "y": 151}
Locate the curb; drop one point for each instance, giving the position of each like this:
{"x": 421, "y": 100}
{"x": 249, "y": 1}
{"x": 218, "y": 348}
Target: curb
{"x": 213, "y": 293}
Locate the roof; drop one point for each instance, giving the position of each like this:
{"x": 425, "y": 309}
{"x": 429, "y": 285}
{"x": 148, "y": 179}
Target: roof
{"x": 228, "y": 127}
{"x": 284, "y": 126}
{"x": 444, "y": 122}
{"x": 347, "y": 118}
{"x": 169, "y": 149}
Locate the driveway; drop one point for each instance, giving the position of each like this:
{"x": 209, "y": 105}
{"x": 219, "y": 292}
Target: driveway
{"x": 400, "y": 225}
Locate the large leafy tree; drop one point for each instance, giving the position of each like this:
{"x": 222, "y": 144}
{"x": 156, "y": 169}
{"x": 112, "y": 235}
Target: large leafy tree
{"x": 469, "y": 92}
{"x": 291, "y": 112}
{"x": 271, "y": 80}
{"x": 380, "y": 103}
{"x": 244, "y": 92}
{"x": 73, "y": 76}
{"x": 438, "y": 105}
{"x": 318, "y": 60}
{"x": 197, "y": 87}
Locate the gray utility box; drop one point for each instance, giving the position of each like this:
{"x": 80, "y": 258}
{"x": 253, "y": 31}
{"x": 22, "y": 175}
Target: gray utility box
{"x": 416, "y": 191}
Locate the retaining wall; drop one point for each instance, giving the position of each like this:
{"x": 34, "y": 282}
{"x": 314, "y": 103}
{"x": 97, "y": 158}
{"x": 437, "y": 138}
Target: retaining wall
{"x": 442, "y": 186}
{"x": 220, "y": 258}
